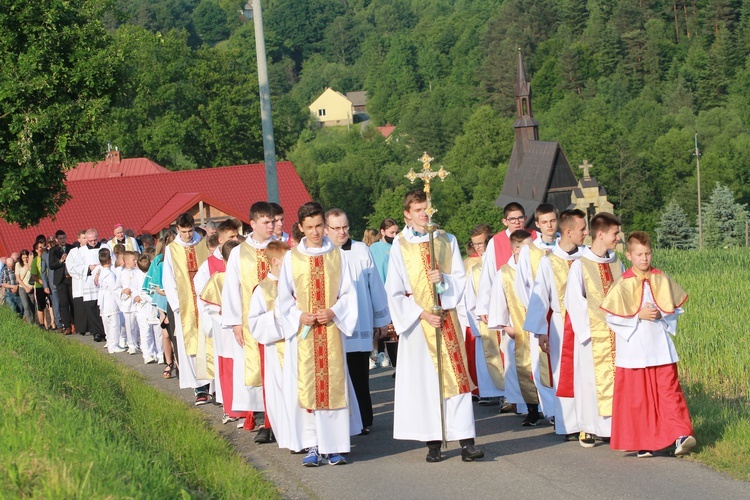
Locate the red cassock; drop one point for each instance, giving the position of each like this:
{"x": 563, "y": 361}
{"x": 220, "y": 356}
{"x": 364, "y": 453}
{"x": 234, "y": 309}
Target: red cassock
{"x": 649, "y": 411}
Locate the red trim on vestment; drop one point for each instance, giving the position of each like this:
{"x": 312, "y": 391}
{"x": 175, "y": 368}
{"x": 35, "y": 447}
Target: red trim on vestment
{"x": 471, "y": 358}
{"x": 565, "y": 384}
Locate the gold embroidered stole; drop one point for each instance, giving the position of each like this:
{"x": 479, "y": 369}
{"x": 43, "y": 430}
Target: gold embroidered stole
{"x": 416, "y": 256}
{"x": 560, "y": 271}
{"x": 253, "y": 270}
{"x": 186, "y": 261}
{"x": 321, "y": 378}
{"x": 490, "y": 338}
{"x": 204, "y": 360}
{"x": 522, "y": 340}
{"x": 270, "y": 289}
{"x": 598, "y": 279}
{"x": 535, "y": 257}
{"x": 128, "y": 244}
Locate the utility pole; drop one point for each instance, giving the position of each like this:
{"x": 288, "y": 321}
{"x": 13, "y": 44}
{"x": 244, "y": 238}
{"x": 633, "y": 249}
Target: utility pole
{"x": 253, "y": 11}
{"x": 697, "y": 155}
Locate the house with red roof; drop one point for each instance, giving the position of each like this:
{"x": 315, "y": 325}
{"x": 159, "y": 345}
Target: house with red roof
{"x": 145, "y": 197}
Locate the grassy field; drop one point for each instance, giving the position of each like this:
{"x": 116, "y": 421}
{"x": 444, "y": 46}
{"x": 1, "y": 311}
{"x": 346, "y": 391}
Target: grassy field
{"x": 74, "y": 424}
{"x": 713, "y": 342}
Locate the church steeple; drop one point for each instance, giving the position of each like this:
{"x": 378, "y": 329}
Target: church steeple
{"x": 527, "y": 128}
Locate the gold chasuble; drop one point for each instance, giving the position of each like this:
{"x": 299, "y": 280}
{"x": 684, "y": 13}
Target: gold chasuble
{"x": 253, "y": 269}
{"x": 626, "y": 298}
{"x": 598, "y": 279}
{"x": 321, "y": 378}
{"x": 416, "y": 256}
{"x": 270, "y": 289}
{"x": 535, "y": 257}
{"x": 523, "y": 347}
{"x": 186, "y": 261}
{"x": 490, "y": 338}
{"x": 211, "y": 294}
{"x": 128, "y": 244}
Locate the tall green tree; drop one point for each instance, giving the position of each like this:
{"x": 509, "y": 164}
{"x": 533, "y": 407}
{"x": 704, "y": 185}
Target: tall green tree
{"x": 674, "y": 229}
{"x": 723, "y": 219}
{"x": 55, "y": 83}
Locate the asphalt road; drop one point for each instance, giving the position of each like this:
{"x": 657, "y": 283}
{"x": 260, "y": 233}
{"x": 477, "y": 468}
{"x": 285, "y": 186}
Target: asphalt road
{"x": 522, "y": 462}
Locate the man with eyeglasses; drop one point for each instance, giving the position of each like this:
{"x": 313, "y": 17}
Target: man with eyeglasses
{"x": 372, "y": 305}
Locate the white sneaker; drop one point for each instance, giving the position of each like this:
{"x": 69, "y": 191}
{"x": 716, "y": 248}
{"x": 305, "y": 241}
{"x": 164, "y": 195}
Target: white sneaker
{"x": 122, "y": 345}
{"x": 133, "y": 350}
{"x": 117, "y": 349}
{"x": 149, "y": 360}
{"x": 383, "y": 360}
{"x": 372, "y": 364}
{"x": 683, "y": 445}
{"x": 160, "y": 359}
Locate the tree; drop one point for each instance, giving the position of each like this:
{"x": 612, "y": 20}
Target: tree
{"x": 210, "y": 22}
{"x": 723, "y": 219}
{"x": 56, "y": 80}
{"x": 674, "y": 229}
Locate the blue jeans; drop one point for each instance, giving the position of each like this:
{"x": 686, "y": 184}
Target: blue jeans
{"x": 13, "y": 301}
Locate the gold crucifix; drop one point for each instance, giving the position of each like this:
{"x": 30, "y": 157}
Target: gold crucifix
{"x": 585, "y": 167}
{"x": 427, "y": 174}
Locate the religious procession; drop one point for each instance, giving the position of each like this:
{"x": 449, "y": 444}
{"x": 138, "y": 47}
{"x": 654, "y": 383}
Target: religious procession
{"x": 282, "y": 330}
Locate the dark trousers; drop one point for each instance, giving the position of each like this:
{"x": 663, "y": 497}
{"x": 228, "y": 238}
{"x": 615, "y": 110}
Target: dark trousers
{"x": 359, "y": 371}
{"x": 65, "y": 296}
{"x": 93, "y": 318}
{"x": 79, "y": 315}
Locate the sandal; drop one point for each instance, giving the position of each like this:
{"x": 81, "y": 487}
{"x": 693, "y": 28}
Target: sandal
{"x": 167, "y": 373}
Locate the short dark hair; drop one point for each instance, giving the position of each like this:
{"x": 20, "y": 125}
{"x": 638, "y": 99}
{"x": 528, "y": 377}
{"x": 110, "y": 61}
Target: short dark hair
{"x": 601, "y": 222}
{"x": 104, "y": 256}
{"x": 185, "y": 220}
{"x": 260, "y": 209}
{"x": 568, "y": 216}
{"x": 414, "y": 196}
{"x": 640, "y": 237}
{"x": 335, "y": 212}
{"x": 118, "y": 249}
{"x": 481, "y": 229}
{"x": 277, "y": 209}
{"x": 227, "y": 247}
{"x": 229, "y": 225}
{"x": 519, "y": 236}
{"x": 513, "y": 207}
{"x": 213, "y": 240}
{"x": 200, "y": 231}
{"x": 544, "y": 209}
{"x": 59, "y": 233}
{"x": 144, "y": 262}
{"x": 297, "y": 233}
{"x": 309, "y": 209}
{"x": 388, "y": 223}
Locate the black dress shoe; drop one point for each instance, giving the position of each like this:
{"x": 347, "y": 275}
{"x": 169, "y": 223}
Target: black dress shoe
{"x": 433, "y": 455}
{"x": 469, "y": 453}
{"x": 265, "y": 435}
{"x": 99, "y": 338}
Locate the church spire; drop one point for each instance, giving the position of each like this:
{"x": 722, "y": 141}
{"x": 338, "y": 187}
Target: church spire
{"x": 527, "y": 128}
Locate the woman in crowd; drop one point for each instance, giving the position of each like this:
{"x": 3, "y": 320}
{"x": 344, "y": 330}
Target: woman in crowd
{"x": 159, "y": 299}
{"x": 26, "y": 288}
{"x": 40, "y": 294}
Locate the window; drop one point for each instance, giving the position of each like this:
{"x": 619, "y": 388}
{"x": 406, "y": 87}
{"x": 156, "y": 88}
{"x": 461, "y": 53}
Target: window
{"x": 321, "y": 112}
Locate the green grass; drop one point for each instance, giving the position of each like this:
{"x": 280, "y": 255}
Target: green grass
{"x": 74, "y": 424}
{"x": 713, "y": 342}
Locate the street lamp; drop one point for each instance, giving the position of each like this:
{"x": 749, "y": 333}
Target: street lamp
{"x": 252, "y": 11}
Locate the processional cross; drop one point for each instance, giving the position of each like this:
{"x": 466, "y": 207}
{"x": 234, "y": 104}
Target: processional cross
{"x": 426, "y": 175}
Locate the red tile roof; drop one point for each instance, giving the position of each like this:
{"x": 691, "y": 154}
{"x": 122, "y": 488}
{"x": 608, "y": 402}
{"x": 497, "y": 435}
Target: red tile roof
{"x": 386, "y": 130}
{"x": 139, "y": 202}
{"x": 113, "y": 166}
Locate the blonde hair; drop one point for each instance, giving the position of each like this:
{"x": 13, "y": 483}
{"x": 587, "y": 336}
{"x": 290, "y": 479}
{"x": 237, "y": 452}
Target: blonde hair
{"x": 370, "y": 236}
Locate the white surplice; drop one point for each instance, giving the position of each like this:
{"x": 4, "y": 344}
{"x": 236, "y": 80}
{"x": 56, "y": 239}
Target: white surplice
{"x": 266, "y": 329}
{"x": 524, "y": 285}
{"x": 329, "y": 430}
{"x": 497, "y": 318}
{"x": 416, "y": 414}
{"x": 245, "y": 398}
{"x": 372, "y": 303}
{"x": 543, "y": 298}
{"x": 584, "y": 381}
{"x": 187, "y": 363}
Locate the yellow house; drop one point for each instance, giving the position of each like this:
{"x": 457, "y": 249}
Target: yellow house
{"x": 332, "y": 108}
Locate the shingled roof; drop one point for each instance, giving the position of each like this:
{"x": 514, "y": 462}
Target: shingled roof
{"x": 538, "y": 171}
{"x": 114, "y": 166}
{"x": 149, "y": 203}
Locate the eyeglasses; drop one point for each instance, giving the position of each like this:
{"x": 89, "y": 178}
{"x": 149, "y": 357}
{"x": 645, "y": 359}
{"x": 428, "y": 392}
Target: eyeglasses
{"x": 342, "y": 229}
{"x": 516, "y": 219}
{"x": 478, "y": 245}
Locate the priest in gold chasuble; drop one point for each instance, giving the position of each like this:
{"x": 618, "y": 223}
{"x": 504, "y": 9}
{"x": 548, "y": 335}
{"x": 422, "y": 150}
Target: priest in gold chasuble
{"x": 318, "y": 306}
{"x": 409, "y": 289}
{"x": 182, "y": 259}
